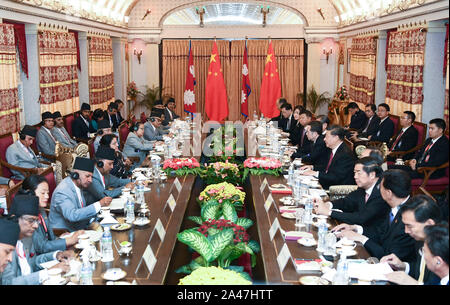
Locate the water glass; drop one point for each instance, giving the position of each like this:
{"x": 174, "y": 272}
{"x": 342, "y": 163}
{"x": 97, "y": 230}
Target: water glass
{"x": 330, "y": 241}
{"x": 299, "y": 214}
{"x": 297, "y": 190}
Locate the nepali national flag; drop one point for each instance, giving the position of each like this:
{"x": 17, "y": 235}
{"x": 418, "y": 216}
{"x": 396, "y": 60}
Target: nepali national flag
{"x": 189, "y": 95}
{"x": 246, "y": 90}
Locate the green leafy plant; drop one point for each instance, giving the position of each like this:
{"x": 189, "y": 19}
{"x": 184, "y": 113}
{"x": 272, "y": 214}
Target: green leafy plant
{"x": 314, "y": 100}
{"x": 150, "y": 96}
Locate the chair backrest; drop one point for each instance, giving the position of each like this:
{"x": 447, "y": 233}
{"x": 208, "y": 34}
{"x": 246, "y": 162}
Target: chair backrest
{"x": 123, "y": 134}
{"x": 50, "y": 176}
{"x": 396, "y": 119}
{"x": 68, "y": 119}
{"x": 143, "y": 117}
{"x": 422, "y": 132}
{"x": 10, "y": 193}
{"x": 34, "y": 145}
{"x": 91, "y": 148}
{"x": 348, "y": 143}
{"x": 5, "y": 142}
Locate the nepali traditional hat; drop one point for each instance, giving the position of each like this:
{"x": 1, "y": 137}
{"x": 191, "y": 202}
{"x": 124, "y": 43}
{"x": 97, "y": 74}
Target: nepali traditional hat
{"x": 84, "y": 164}
{"x": 25, "y": 205}
{"x": 10, "y": 232}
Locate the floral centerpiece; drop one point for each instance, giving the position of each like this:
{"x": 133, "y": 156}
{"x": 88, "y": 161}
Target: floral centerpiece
{"x": 222, "y": 171}
{"x": 224, "y": 144}
{"x": 214, "y": 276}
{"x": 261, "y": 166}
{"x": 222, "y": 191}
{"x": 342, "y": 93}
{"x": 181, "y": 166}
{"x": 132, "y": 90}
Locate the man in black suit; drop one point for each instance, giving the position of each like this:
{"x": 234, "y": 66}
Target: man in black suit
{"x": 302, "y": 141}
{"x": 417, "y": 212}
{"x": 279, "y": 103}
{"x": 120, "y": 105}
{"x": 287, "y": 122}
{"x": 169, "y": 112}
{"x": 365, "y": 206}
{"x": 386, "y": 126}
{"x": 325, "y": 122}
{"x": 406, "y": 138}
{"x": 370, "y": 127}
{"x": 390, "y": 237}
{"x": 111, "y": 116}
{"x": 434, "y": 152}
{"x": 318, "y": 153}
{"x": 358, "y": 119}
{"x": 341, "y": 161}
{"x": 81, "y": 126}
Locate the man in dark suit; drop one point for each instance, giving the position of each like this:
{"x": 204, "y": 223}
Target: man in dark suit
{"x": 169, "y": 112}
{"x": 406, "y": 138}
{"x": 341, "y": 161}
{"x": 287, "y": 122}
{"x": 279, "y": 103}
{"x": 303, "y": 142}
{"x": 365, "y": 206}
{"x": 120, "y": 105}
{"x": 370, "y": 127}
{"x": 358, "y": 119}
{"x": 81, "y": 127}
{"x": 390, "y": 237}
{"x": 434, "y": 152}
{"x": 386, "y": 126}
{"x": 318, "y": 153}
{"x": 418, "y": 212}
{"x": 111, "y": 113}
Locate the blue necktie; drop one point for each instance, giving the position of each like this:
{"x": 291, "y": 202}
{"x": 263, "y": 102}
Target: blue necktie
{"x": 391, "y": 217}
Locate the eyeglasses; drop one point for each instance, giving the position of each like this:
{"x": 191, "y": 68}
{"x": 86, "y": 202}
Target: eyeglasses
{"x": 32, "y": 221}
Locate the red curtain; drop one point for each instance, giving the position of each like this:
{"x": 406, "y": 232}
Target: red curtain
{"x": 75, "y": 33}
{"x": 21, "y": 44}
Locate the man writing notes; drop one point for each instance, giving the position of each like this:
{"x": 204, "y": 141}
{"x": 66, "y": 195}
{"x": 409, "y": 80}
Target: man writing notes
{"x": 69, "y": 209}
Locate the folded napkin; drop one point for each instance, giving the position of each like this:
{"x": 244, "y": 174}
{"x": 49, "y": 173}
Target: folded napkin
{"x": 108, "y": 220}
{"x": 294, "y": 235}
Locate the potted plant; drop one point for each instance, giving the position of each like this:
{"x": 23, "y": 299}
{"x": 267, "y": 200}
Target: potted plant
{"x": 314, "y": 100}
{"x": 150, "y": 96}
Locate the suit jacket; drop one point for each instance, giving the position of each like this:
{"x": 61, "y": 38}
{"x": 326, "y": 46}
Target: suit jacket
{"x": 13, "y": 274}
{"x": 355, "y": 210}
{"x": 318, "y": 154}
{"x": 358, "y": 120}
{"x": 17, "y": 156}
{"x": 119, "y": 117}
{"x": 385, "y": 131}
{"x": 65, "y": 209}
{"x": 277, "y": 118}
{"x": 62, "y": 136}
{"x": 372, "y": 129}
{"x": 44, "y": 240}
{"x": 341, "y": 168}
{"x": 97, "y": 191}
{"x": 80, "y": 129}
{"x": 44, "y": 142}
{"x": 294, "y": 134}
{"x": 136, "y": 147}
{"x": 151, "y": 133}
{"x": 435, "y": 156}
{"x": 167, "y": 118}
{"x": 305, "y": 147}
{"x": 114, "y": 124}
{"x": 407, "y": 141}
{"x": 283, "y": 123}
{"x": 391, "y": 238}
{"x": 414, "y": 265}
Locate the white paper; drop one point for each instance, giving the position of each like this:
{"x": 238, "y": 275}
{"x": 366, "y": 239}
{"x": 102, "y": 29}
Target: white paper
{"x": 161, "y": 231}
{"x": 149, "y": 258}
{"x": 268, "y": 202}
{"x": 263, "y": 185}
{"x": 109, "y": 220}
{"x": 317, "y": 192}
{"x": 117, "y": 203}
{"x": 274, "y": 228}
{"x": 283, "y": 257}
{"x": 369, "y": 272}
{"x": 177, "y": 185}
{"x": 49, "y": 264}
{"x": 171, "y": 202}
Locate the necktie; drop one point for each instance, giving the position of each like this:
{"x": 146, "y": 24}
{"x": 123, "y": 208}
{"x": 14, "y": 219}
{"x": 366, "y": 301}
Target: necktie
{"x": 288, "y": 124}
{"x": 367, "y": 196}
{"x": 303, "y": 136}
{"x": 367, "y": 126}
{"x": 391, "y": 217}
{"x": 396, "y": 140}
{"x": 425, "y": 152}
{"x": 329, "y": 162}
{"x": 422, "y": 269}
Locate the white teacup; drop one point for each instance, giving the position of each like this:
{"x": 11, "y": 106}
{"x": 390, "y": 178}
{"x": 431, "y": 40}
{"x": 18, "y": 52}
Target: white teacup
{"x": 126, "y": 191}
{"x": 399, "y": 161}
{"x": 54, "y": 275}
{"x": 105, "y": 211}
{"x": 83, "y": 240}
{"x": 347, "y": 244}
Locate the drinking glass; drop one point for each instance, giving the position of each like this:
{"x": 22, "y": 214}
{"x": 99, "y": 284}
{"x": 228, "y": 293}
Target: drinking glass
{"x": 299, "y": 214}
{"x": 330, "y": 241}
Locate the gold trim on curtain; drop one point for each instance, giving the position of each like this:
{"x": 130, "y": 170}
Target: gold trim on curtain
{"x": 289, "y": 54}
{"x": 9, "y": 97}
{"x": 404, "y": 85}
{"x": 58, "y": 72}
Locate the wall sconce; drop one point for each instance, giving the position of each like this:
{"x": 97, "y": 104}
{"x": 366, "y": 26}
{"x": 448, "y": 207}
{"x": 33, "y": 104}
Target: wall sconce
{"x": 200, "y": 12}
{"x": 327, "y": 53}
{"x": 138, "y": 54}
{"x": 146, "y": 13}
{"x": 265, "y": 11}
{"x": 319, "y": 10}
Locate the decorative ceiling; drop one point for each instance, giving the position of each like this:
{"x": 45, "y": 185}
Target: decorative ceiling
{"x": 117, "y": 12}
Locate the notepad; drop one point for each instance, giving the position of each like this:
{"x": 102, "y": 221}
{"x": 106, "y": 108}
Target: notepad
{"x": 369, "y": 272}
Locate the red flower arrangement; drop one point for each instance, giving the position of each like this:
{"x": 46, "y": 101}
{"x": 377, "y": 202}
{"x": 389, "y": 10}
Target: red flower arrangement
{"x": 240, "y": 234}
{"x": 181, "y": 166}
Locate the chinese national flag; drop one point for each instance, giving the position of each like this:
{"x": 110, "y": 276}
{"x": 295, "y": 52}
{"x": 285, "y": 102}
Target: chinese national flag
{"x": 270, "y": 87}
{"x": 216, "y": 102}
{"x": 246, "y": 90}
{"x": 189, "y": 96}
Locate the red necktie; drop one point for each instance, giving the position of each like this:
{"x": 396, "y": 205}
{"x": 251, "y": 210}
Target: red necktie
{"x": 396, "y": 140}
{"x": 329, "y": 162}
{"x": 303, "y": 136}
{"x": 367, "y": 196}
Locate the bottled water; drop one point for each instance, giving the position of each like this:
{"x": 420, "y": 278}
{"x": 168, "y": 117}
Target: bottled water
{"x": 297, "y": 188}
{"x": 140, "y": 193}
{"x": 291, "y": 175}
{"x": 86, "y": 272}
{"x": 129, "y": 210}
{"x": 308, "y": 212}
{"x": 106, "y": 246}
{"x": 341, "y": 276}
{"x": 323, "y": 230}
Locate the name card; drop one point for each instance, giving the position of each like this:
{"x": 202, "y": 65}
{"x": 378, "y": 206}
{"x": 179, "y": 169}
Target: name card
{"x": 177, "y": 185}
{"x": 171, "y": 202}
{"x": 160, "y": 229}
{"x": 263, "y": 185}
{"x": 283, "y": 257}
{"x": 269, "y": 202}
{"x": 274, "y": 228}
{"x": 149, "y": 258}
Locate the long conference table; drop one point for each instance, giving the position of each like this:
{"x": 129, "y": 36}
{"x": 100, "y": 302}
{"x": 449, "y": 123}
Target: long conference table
{"x": 171, "y": 254}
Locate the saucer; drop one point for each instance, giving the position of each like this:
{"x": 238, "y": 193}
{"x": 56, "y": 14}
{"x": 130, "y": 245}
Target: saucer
{"x": 278, "y": 186}
{"x": 307, "y": 242}
{"x": 114, "y": 274}
{"x": 61, "y": 281}
{"x": 310, "y": 280}
{"x": 347, "y": 252}
{"x": 316, "y": 224}
{"x": 141, "y": 222}
{"x": 121, "y": 227}
{"x": 80, "y": 246}
{"x": 288, "y": 215}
